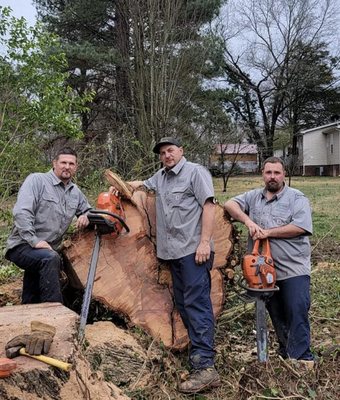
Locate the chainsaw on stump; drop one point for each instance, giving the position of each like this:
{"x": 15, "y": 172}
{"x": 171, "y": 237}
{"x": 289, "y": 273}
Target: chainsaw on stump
{"x": 107, "y": 219}
{"x": 259, "y": 272}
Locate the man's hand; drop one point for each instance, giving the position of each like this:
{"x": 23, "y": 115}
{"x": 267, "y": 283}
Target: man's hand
{"x": 43, "y": 245}
{"x": 254, "y": 230}
{"x": 202, "y": 252}
{"x": 113, "y": 190}
{"x": 82, "y": 222}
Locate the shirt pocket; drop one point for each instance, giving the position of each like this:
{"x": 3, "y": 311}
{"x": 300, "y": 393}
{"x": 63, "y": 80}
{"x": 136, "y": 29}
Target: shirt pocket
{"x": 49, "y": 206}
{"x": 178, "y": 195}
{"x": 281, "y": 214}
{"x": 49, "y": 199}
{"x": 72, "y": 202}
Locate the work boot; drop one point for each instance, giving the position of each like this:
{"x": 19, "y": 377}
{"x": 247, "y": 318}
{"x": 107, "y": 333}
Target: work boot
{"x": 303, "y": 366}
{"x": 199, "y": 380}
{"x": 306, "y": 364}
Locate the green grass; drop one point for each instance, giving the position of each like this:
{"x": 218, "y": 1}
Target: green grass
{"x": 7, "y": 272}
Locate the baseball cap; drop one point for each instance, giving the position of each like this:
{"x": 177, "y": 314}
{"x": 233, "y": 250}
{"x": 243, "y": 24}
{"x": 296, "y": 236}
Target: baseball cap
{"x": 166, "y": 140}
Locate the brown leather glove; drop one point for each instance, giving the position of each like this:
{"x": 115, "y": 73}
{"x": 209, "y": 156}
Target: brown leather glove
{"x": 38, "y": 342}
{"x": 17, "y": 341}
{"x": 40, "y": 339}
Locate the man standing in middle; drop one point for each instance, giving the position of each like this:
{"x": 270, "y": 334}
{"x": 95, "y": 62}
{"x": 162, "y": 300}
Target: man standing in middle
{"x": 185, "y": 212}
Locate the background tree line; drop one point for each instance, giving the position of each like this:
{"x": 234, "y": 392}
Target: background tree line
{"x": 115, "y": 76}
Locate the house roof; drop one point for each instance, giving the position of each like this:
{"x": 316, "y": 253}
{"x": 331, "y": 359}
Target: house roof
{"x": 322, "y": 127}
{"x": 236, "y": 148}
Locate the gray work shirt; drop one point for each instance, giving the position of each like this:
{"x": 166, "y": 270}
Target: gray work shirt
{"x": 44, "y": 210}
{"x": 290, "y": 206}
{"x": 180, "y": 196}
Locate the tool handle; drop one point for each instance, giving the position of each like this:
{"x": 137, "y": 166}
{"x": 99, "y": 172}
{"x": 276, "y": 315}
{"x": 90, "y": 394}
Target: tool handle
{"x": 256, "y": 246}
{"x": 265, "y": 247}
{"x": 48, "y": 360}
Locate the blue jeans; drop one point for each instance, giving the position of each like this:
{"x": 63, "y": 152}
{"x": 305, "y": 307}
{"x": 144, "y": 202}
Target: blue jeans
{"x": 288, "y": 309}
{"x": 192, "y": 284}
{"x": 42, "y": 272}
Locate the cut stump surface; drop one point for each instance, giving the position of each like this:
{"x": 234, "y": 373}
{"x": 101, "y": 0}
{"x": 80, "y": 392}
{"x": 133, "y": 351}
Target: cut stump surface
{"x": 33, "y": 379}
{"x": 130, "y": 279}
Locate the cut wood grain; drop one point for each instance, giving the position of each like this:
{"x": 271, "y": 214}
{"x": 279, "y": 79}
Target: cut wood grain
{"x": 130, "y": 279}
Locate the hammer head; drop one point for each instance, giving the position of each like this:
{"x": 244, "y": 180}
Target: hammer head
{"x": 13, "y": 352}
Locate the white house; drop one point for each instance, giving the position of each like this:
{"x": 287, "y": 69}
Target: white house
{"x": 321, "y": 150}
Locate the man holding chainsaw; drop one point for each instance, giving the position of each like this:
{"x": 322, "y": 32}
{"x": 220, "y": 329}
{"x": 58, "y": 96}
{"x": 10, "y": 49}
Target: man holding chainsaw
{"x": 185, "y": 218}
{"x": 45, "y": 208}
{"x": 282, "y": 215}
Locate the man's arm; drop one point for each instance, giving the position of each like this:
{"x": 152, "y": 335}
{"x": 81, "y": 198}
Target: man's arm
{"x": 235, "y": 211}
{"x": 134, "y": 184}
{"x": 208, "y": 216}
{"x": 256, "y": 232}
{"x": 82, "y": 210}
{"x": 24, "y": 211}
{"x": 281, "y": 232}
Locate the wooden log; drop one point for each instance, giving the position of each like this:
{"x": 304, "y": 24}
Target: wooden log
{"x": 230, "y": 273}
{"x": 130, "y": 279}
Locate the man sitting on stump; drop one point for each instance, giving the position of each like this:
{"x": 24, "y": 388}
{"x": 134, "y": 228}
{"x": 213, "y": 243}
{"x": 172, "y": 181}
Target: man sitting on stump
{"x": 45, "y": 207}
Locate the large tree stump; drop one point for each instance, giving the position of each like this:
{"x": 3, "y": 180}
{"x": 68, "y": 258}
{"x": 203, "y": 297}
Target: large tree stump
{"x": 32, "y": 379}
{"x": 130, "y": 279}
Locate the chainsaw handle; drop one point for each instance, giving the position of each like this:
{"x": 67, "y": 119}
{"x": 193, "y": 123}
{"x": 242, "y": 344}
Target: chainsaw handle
{"x": 120, "y": 219}
{"x": 265, "y": 247}
{"x": 256, "y": 246}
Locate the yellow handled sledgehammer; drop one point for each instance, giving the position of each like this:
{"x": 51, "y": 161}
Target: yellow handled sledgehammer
{"x": 13, "y": 352}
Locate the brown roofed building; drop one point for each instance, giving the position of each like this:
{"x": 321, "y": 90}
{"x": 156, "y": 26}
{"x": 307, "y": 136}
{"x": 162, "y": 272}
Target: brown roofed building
{"x": 244, "y": 155}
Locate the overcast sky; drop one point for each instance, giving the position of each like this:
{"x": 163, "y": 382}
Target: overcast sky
{"x": 21, "y": 8}
{"x": 25, "y": 8}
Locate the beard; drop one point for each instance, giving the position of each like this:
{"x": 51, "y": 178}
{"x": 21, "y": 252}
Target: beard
{"x": 65, "y": 174}
{"x": 273, "y": 187}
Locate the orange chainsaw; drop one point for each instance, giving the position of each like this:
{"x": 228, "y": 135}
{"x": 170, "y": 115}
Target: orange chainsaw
{"x": 108, "y": 218}
{"x": 259, "y": 272}
{"x": 258, "y": 268}
{"x": 111, "y": 203}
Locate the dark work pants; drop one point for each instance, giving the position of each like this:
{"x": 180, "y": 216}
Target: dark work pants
{"x": 42, "y": 271}
{"x": 191, "y": 285}
{"x": 288, "y": 309}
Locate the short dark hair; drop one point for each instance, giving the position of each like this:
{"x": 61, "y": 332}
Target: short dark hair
{"x": 274, "y": 160}
{"x": 65, "y": 150}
